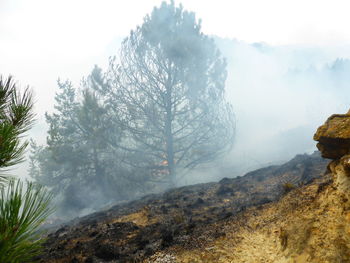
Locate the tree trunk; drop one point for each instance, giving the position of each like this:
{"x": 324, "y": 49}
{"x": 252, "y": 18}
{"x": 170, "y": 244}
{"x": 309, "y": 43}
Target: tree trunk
{"x": 170, "y": 153}
{"x": 169, "y": 135}
{"x": 100, "y": 181}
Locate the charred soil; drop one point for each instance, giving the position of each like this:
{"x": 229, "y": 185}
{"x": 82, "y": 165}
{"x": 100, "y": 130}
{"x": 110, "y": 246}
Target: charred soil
{"x": 165, "y": 227}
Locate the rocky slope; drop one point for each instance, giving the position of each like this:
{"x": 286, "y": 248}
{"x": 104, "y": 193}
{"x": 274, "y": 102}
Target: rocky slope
{"x": 296, "y": 212}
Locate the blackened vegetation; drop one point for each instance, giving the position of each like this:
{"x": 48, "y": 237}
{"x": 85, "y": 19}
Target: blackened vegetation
{"x": 176, "y": 217}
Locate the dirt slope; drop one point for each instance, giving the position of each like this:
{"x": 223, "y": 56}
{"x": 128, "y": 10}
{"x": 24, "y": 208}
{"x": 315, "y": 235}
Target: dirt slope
{"x": 309, "y": 224}
{"x": 297, "y": 212}
{"x": 306, "y": 225}
{"x": 199, "y": 223}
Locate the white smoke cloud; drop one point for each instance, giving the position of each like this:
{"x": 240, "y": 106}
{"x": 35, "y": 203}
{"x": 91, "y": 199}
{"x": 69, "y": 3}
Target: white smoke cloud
{"x": 280, "y": 95}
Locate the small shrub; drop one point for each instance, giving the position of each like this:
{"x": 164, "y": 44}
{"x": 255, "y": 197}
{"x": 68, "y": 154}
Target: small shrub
{"x": 283, "y": 238}
{"x": 287, "y": 187}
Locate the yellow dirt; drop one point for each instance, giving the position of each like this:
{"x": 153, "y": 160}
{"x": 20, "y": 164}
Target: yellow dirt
{"x": 140, "y": 218}
{"x": 304, "y": 226}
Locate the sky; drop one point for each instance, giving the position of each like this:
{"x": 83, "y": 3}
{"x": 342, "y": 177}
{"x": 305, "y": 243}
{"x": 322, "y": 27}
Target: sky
{"x": 43, "y": 40}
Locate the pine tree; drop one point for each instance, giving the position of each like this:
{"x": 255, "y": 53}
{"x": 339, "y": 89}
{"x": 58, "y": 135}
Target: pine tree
{"x": 167, "y": 93}
{"x": 22, "y": 210}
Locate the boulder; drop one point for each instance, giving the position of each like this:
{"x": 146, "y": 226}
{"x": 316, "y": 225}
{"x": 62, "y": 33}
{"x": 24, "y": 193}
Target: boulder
{"x": 334, "y": 136}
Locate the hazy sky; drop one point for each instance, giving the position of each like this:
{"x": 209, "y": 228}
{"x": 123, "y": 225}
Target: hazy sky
{"x": 41, "y": 40}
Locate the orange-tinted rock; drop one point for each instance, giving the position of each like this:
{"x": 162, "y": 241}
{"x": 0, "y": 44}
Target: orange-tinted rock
{"x": 334, "y": 136}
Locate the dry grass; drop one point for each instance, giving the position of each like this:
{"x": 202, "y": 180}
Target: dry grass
{"x": 140, "y": 218}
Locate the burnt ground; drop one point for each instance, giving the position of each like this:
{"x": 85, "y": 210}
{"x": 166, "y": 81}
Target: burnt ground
{"x": 136, "y": 230}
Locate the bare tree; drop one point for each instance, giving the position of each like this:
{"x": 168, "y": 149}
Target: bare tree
{"x": 167, "y": 93}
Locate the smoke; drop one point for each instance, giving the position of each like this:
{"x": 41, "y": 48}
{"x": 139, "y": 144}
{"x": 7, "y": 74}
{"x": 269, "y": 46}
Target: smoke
{"x": 280, "y": 95}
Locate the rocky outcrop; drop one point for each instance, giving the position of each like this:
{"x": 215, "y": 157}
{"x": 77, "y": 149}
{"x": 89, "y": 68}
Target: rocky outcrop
{"x": 334, "y": 143}
{"x": 334, "y": 136}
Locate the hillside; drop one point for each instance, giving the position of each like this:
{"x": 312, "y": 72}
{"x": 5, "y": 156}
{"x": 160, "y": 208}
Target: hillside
{"x": 180, "y": 218}
{"x": 295, "y": 212}
{"x": 309, "y": 224}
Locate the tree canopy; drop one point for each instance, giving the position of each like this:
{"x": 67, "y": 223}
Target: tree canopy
{"x": 156, "y": 112}
{"x": 167, "y": 92}
{"x": 78, "y": 163}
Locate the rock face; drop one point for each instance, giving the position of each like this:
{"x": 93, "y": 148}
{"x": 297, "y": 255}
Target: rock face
{"x": 334, "y": 143}
{"x": 334, "y": 136}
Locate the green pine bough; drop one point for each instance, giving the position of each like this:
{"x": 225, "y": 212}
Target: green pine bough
{"x": 23, "y": 207}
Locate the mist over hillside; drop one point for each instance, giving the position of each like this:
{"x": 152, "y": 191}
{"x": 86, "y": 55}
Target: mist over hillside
{"x": 279, "y": 94}
{"x": 173, "y": 131}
